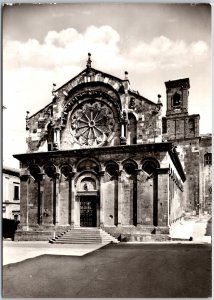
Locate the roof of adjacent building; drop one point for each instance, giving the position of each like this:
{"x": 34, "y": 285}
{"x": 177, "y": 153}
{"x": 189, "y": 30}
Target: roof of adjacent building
{"x": 11, "y": 171}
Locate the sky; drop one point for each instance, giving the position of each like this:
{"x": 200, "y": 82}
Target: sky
{"x": 46, "y": 44}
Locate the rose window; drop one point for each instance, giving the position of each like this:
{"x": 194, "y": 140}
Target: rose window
{"x": 92, "y": 124}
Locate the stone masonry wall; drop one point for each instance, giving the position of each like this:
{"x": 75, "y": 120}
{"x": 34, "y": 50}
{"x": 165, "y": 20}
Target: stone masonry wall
{"x": 205, "y": 174}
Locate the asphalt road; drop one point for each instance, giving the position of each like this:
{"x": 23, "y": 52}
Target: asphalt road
{"x": 122, "y": 270}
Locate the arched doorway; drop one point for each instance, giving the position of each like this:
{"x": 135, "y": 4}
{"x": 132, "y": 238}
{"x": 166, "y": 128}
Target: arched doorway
{"x": 89, "y": 201}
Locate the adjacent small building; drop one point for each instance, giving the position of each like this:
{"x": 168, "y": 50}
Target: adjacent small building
{"x": 11, "y": 194}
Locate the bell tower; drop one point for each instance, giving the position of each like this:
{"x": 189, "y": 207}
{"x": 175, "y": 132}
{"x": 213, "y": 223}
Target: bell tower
{"x": 177, "y": 96}
{"x": 178, "y": 124}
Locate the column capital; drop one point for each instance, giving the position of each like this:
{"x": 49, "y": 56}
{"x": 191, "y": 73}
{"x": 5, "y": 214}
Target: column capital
{"x": 39, "y": 176}
{"x": 160, "y": 171}
{"x": 123, "y": 140}
{"x": 25, "y": 177}
{"x": 138, "y": 171}
{"x": 71, "y": 174}
{"x": 101, "y": 173}
{"x": 123, "y": 121}
{"x": 119, "y": 172}
{"x": 57, "y": 175}
{"x": 77, "y": 198}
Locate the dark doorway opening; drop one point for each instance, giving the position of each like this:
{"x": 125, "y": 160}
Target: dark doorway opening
{"x": 88, "y": 211}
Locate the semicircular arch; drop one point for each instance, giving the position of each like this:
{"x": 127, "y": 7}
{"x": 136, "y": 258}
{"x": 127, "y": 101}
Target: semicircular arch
{"x": 88, "y": 164}
{"x": 88, "y": 177}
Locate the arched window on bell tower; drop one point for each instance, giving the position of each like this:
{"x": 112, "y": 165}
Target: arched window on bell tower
{"x": 176, "y": 100}
{"x": 177, "y": 92}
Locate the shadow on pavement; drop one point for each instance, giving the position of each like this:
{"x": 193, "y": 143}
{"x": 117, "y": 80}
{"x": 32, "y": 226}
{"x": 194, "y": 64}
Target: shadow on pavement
{"x": 115, "y": 271}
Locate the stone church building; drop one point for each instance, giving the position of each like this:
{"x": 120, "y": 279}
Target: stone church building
{"x": 97, "y": 157}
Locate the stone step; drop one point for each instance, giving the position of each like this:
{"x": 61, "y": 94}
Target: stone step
{"x": 84, "y": 236}
{"x": 83, "y": 233}
{"x": 77, "y": 242}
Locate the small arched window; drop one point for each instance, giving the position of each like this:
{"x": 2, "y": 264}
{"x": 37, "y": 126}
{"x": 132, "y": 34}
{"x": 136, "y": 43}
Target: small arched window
{"x": 149, "y": 166}
{"x": 130, "y": 167}
{"x": 132, "y": 103}
{"x": 50, "y": 170}
{"x": 112, "y": 169}
{"x": 66, "y": 170}
{"x": 34, "y": 171}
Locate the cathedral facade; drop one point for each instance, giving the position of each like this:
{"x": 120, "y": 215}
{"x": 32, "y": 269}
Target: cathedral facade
{"x": 96, "y": 158}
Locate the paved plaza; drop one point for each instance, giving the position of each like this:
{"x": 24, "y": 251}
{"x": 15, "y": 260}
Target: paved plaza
{"x": 118, "y": 270}
{"x": 197, "y": 228}
{"x": 170, "y": 269}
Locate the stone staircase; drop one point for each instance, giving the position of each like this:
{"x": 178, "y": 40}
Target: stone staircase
{"x": 84, "y": 236}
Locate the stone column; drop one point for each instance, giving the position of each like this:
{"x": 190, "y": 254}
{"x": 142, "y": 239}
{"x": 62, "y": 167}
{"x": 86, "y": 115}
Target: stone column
{"x": 101, "y": 198}
{"x": 54, "y": 200}
{"x": 24, "y": 201}
{"x": 163, "y": 197}
{"x": 139, "y": 197}
{"x": 42, "y": 202}
{"x": 123, "y": 132}
{"x": 71, "y": 198}
{"x": 120, "y": 197}
{"x": 57, "y": 198}
{"x": 77, "y": 210}
{"x": 39, "y": 206}
{"x": 56, "y": 139}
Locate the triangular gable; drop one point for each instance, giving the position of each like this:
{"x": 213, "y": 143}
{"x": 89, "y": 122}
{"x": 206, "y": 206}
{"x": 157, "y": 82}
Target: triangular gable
{"x": 91, "y": 75}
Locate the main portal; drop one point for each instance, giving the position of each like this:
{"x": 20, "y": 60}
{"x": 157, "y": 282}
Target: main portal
{"x": 88, "y": 211}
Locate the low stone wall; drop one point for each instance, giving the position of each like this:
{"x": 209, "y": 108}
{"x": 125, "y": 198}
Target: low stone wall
{"x": 39, "y": 233}
{"x": 137, "y": 230}
{"x": 145, "y": 238}
{"x": 33, "y": 235}
{"x": 139, "y": 234}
